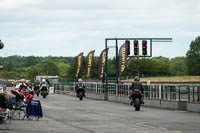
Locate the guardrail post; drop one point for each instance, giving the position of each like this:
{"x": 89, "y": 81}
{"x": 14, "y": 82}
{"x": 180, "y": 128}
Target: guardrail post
{"x": 179, "y": 93}
{"x": 193, "y": 93}
{"x": 106, "y": 91}
{"x": 128, "y": 92}
{"x": 63, "y": 89}
{"x": 116, "y": 89}
{"x": 170, "y": 94}
{"x": 188, "y": 93}
{"x": 96, "y": 87}
{"x": 150, "y": 92}
{"x": 160, "y": 92}
{"x": 175, "y": 92}
{"x": 166, "y": 92}
{"x": 74, "y": 87}
{"x": 198, "y": 93}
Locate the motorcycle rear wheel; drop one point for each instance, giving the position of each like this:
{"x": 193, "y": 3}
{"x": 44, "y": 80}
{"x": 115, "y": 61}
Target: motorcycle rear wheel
{"x": 137, "y": 104}
{"x": 81, "y": 98}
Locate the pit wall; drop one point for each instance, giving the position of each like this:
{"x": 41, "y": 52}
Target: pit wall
{"x": 157, "y": 103}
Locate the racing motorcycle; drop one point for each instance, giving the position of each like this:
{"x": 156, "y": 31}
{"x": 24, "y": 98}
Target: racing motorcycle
{"x": 23, "y": 96}
{"x": 44, "y": 91}
{"x": 80, "y": 92}
{"x": 37, "y": 90}
{"x": 137, "y": 99}
{"x": 81, "y": 95}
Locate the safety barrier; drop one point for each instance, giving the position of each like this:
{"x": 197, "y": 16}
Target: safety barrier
{"x": 172, "y": 92}
{"x": 154, "y": 91}
{"x": 62, "y": 88}
{"x": 167, "y": 96}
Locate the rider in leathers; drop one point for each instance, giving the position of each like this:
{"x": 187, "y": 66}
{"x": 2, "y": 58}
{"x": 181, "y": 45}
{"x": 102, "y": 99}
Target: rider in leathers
{"x": 23, "y": 86}
{"x": 80, "y": 87}
{"x": 44, "y": 85}
{"x": 136, "y": 85}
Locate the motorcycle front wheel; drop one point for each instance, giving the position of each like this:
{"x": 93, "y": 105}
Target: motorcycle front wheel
{"x": 81, "y": 96}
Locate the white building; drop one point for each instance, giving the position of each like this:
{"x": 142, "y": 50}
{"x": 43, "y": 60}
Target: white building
{"x": 52, "y": 79}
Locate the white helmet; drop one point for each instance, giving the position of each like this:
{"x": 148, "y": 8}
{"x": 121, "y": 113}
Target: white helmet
{"x": 43, "y": 80}
{"x": 79, "y": 80}
{"x": 137, "y": 78}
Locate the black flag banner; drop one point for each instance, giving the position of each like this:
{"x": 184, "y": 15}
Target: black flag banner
{"x": 78, "y": 64}
{"x": 90, "y": 58}
{"x": 122, "y": 58}
{"x": 101, "y": 65}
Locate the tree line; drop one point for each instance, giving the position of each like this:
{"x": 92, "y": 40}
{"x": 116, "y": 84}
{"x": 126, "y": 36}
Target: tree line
{"x": 17, "y": 67}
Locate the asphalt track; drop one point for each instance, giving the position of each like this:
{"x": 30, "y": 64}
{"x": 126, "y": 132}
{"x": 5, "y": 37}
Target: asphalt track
{"x": 67, "y": 114}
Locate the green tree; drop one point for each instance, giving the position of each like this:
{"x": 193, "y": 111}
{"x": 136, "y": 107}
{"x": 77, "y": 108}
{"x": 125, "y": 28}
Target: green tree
{"x": 9, "y": 75}
{"x": 62, "y": 71}
{"x": 49, "y": 68}
{"x": 178, "y": 66}
{"x": 147, "y": 67}
{"x": 30, "y": 61}
{"x": 157, "y": 66}
{"x": 193, "y": 57}
{"x": 33, "y": 72}
{"x": 161, "y": 66}
{"x": 71, "y": 70}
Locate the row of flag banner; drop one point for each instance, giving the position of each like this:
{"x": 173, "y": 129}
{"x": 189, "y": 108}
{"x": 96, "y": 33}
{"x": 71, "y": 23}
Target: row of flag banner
{"x": 101, "y": 63}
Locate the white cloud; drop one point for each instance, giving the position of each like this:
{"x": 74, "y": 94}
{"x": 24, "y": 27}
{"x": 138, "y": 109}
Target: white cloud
{"x": 63, "y": 27}
{"x": 17, "y": 3}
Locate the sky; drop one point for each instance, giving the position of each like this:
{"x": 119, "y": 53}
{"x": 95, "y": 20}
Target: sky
{"x": 69, "y": 27}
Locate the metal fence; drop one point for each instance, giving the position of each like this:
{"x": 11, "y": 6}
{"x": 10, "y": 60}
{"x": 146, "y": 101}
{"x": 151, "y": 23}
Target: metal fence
{"x": 174, "y": 92}
{"x": 63, "y": 88}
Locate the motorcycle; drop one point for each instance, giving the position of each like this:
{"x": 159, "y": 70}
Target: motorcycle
{"x": 44, "y": 91}
{"x": 28, "y": 96}
{"x": 37, "y": 90}
{"x": 137, "y": 99}
{"x": 80, "y": 93}
{"x": 19, "y": 96}
{"x": 22, "y": 96}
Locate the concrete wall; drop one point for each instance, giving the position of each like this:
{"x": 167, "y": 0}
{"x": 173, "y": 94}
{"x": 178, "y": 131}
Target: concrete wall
{"x": 169, "y": 104}
{"x": 152, "y": 103}
{"x": 120, "y": 99}
{"x": 193, "y": 107}
{"x": 94, "y": 96}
